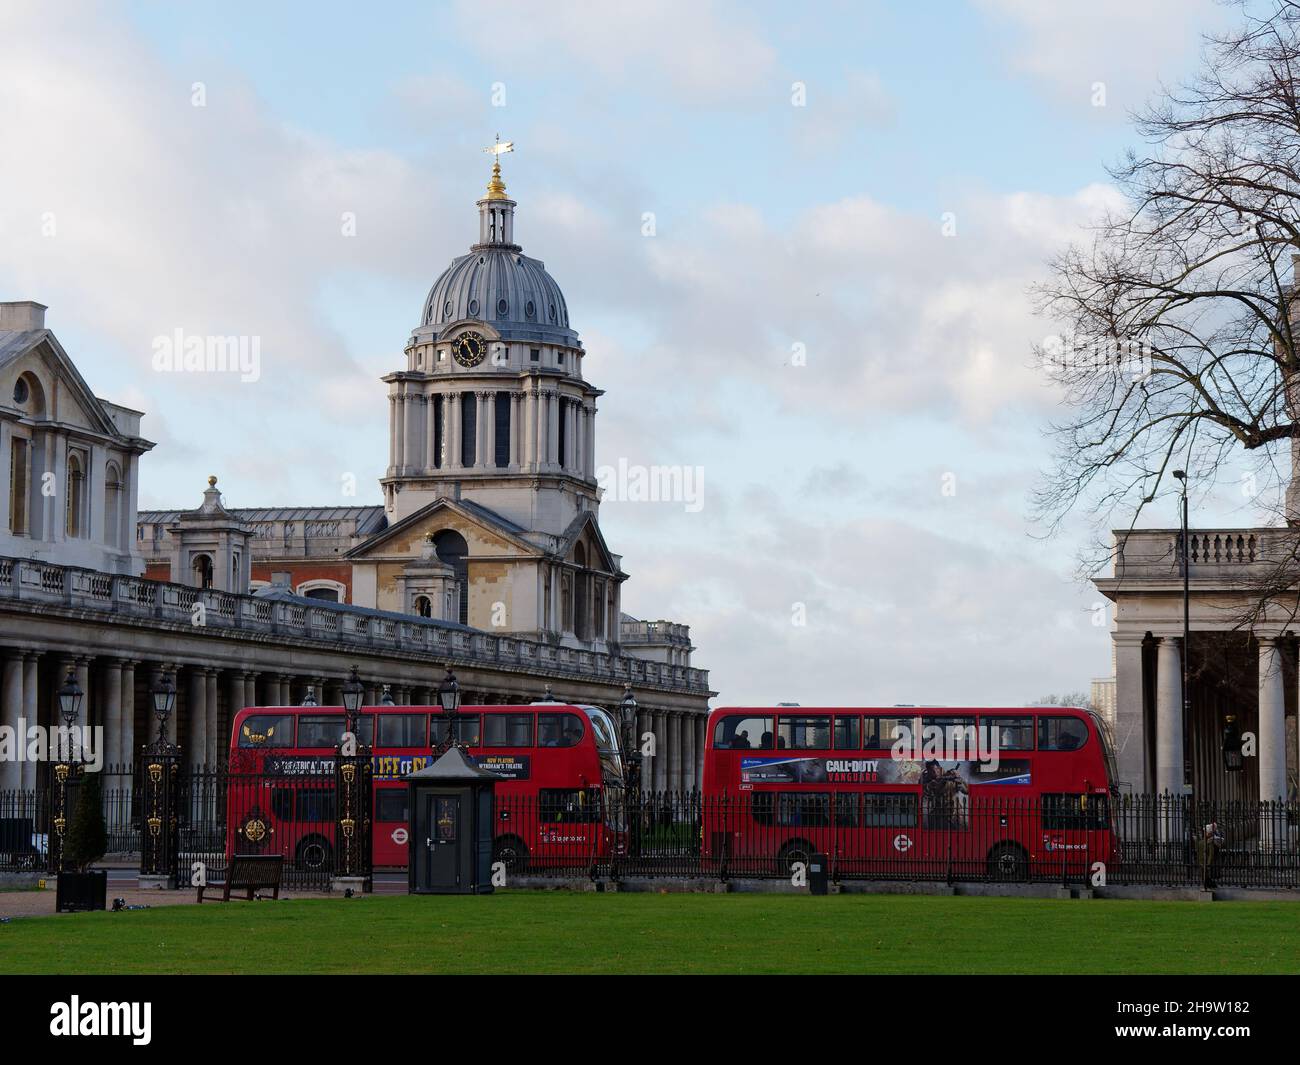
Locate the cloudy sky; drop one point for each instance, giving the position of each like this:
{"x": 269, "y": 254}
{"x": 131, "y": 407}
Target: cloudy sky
{"x": 828, "y": 314}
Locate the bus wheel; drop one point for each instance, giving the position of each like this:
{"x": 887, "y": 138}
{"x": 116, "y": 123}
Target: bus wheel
{"x": 511, "y": 852}
{"x": 1008, "y": 861}
{"x": 795, "y": 851}
{"x": 313, "y": 853}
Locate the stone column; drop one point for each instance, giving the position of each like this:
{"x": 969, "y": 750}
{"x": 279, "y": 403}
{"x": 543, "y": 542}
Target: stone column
{"x": 689, "y": 778}
{"x": 11, "y": 710}
{"x": 1272, "y": 723}
{"x": 451, "y": 431}
{"x": 211, "y": 733}
{"x": 1169, "y": 714}
{"x": 89, "y": 704}
{"x": 112, "y": 681}
{"x": 128, "y": 713}
{"x": 250, "y": 690}
{"x": 484, "y": 449}
{"x": 285, "y": 695}
{"x": 702, "y": 739}
{"x": 236, "y": 699}
{"x": 197, "y": 741}
{"x": 516, "y": 430}
{"x": 660, "y": 768}
{"x": 1131, "y": 740}
{"x": 530, "y": 428}
{"x": 414, "y": 430}
{"x": 553, "y": 429}
{"x": 591, "y": 441}
{"x": 31, "y": 709}
{"x": 392, "y": 431}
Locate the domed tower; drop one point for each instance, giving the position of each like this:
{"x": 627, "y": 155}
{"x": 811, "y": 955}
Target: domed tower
{"x": 492, "y": 406}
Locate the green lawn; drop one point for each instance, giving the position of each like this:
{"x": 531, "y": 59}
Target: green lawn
{"x": 558, "y": 932}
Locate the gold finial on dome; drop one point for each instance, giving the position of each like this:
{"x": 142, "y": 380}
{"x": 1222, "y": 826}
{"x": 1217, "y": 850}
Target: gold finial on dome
{"x": 212, "y": 481}
{"x": 496, "y": 189}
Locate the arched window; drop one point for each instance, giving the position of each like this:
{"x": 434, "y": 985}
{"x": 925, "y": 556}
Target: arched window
{"x": 324, "y": 590}
{"x": 112, "y": 505}
{"x": 423, "y": 606}
{"x": 452, "y": 551}
{"x": 202, "y": 571}
{"x": 76, "y": 495}
{"x": 566, "y": 603}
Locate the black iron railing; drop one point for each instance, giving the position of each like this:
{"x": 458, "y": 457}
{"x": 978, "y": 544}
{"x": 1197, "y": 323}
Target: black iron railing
{"x": 1068, "y": 839}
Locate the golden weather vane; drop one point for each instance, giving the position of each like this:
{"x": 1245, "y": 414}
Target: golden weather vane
{"x": 496, "y": 187}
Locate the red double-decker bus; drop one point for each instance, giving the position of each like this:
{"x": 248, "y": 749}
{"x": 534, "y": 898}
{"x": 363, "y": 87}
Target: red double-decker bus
{"x": 556, "y": 762}
{"x": 1008, "y": 793}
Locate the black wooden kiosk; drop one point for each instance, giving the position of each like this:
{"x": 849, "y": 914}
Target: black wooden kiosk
{"x": 451, "y": 827}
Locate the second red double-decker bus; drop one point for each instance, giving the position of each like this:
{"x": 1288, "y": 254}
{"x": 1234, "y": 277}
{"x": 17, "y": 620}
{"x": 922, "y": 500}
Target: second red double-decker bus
{"x": 556, "y": 763}
{"x": 1008, "y": 793}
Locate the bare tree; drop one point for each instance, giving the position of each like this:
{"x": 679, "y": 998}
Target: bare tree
{"x": 1178, "y": 346}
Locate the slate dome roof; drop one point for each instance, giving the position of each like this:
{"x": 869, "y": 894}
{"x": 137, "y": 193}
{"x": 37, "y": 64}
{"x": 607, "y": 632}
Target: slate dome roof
{"x": 504, "y": 288}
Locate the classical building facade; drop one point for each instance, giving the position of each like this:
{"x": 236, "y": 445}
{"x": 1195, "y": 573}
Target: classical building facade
{"x": 1241, "y": 663}
{"x": 486, "y": 552}
{"x": 70, "y": 475}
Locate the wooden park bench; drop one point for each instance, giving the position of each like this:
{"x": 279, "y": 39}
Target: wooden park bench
{"x": 249, "y": 872}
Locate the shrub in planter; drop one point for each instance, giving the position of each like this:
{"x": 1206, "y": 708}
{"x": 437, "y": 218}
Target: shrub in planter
{"x": 86, "y": 843}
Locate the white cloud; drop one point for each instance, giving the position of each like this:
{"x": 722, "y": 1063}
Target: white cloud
{"x": 1130, "y": 47}
{"x": 703, "y": 50}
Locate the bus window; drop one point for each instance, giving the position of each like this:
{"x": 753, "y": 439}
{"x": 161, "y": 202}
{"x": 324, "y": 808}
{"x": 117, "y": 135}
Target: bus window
{"x": 880, "y": 733}
{"x": 956, "y": 734}
{"x": 559, "y": 730}
{"x": 568, "y": 805}
{"x": 282, "y": 803}
{"x": 846, "y": 809}
{"x": 804, "y": 733}
{"x": 508, "y": 730}
{"x": 1061, "y": 734}
{"x": 1010, "y": 733}
{"x": 466, "y": 730}
{"x": 327, "y": 730}
{"x": 761, "y": 807}
{"x": 1075, "y": 811}
{"x": 403, "y": 730}
{"x": 889, "y": 810}
{"x": 390, "y": 804}
{"x": 267, "y": 730}
{"x": 737, "y": 733}
{"x": 846, "y": 733}
{"x": 803, "y": 809}
{"x": 316, "y": 804}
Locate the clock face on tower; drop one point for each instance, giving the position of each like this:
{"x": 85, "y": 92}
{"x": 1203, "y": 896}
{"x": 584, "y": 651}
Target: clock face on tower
{"x": 469, "y": 349}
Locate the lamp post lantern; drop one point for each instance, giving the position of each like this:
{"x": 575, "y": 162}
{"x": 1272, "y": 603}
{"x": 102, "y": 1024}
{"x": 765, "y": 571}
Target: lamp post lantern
{"x": 67, "y": 769}
{"x": 449, "y": 700}
{"x": 354, "y": 787}
{"x": 159, "y": 784}
{"x": 632, "y": 769}
{"x": 354, "y": 694}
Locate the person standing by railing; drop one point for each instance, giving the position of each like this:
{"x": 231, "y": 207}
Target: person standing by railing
{"x": 1207, "y": 853}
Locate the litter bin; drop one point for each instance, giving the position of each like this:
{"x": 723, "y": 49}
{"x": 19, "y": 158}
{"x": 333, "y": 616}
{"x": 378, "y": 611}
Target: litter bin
{"x": 450, "y": 847}
{"x": 819, "y": 874}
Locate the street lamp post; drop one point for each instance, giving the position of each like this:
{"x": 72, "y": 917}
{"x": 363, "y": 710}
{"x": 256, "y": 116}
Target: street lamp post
{"x": 66, "y": 770}
{"x": 1181, "y": 477}
{"x": 449, "y": 700}
{"x": 632, "y": 769}
{"x": 159, "y": 785}
{"x": 354, "y": 790}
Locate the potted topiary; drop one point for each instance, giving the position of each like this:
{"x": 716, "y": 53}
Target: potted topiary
{"x": 86, "y": 843}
